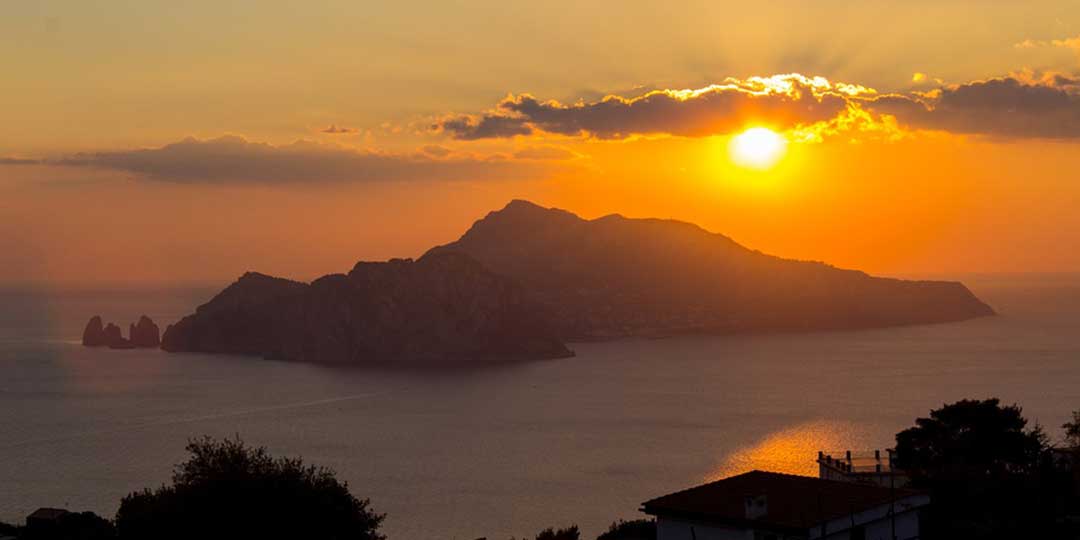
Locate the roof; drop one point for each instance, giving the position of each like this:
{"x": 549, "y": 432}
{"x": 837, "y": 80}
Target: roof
{"x": 47, "y": 513}
{"x": 793, "y": 502}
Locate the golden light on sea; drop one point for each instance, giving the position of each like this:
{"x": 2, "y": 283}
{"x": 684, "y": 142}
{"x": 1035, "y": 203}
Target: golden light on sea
{"x": 793, "y": 450}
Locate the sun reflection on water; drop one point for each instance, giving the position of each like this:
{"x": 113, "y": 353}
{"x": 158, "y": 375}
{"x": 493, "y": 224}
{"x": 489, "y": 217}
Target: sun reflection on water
{"x": 793, "y": 450}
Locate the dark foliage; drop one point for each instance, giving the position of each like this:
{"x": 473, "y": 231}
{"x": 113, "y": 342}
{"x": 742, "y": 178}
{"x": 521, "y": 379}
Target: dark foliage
{"x": 1072, "y": 430}
{"x": 227, "y": 489}
{"x": 970, "y": 438}
{"x": 640, "y": 529}
{"x": 568, "y": 533}
{"x": 989, "y": 475}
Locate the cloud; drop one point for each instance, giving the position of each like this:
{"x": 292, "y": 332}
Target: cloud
{"x": 436, "y": 150}
{"x": 781, "y": 101}
{"x": 1017, "y": 106}
{"x": 1021, "y": 105}
{"x": 235, "y": 159}
{"x": 469, "y": 128}
{"x": 1066, "y": 43}
{"x": 545, "y": 153}
{"x": 334, "y": 130}
{"x": 19, "y": 161}
{"x": 923, "y": 80}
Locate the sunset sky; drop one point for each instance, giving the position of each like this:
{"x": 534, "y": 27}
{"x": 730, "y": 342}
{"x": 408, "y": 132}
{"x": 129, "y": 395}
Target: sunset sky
{"x": 186, "y": 142}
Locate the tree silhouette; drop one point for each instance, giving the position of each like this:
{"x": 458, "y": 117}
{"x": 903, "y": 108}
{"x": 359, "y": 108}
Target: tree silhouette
{"x": 567, "y": 533}
{"x": 640, "y": 529}
{"x": 227, "y": 489}
{"x": 1072, "y": 430}
{"x": 988, "y": 474}
{"x": 969, "y": 438}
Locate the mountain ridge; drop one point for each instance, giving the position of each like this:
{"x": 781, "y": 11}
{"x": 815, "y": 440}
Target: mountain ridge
{"x": 615, "y": 276}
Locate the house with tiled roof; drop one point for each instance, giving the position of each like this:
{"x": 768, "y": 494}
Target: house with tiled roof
{"x": 762, "y": 505}
{"x": 44, "y": 522}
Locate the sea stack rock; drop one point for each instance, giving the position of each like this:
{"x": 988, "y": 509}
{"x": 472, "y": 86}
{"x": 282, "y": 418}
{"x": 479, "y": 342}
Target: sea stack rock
{"x": 94, "y": 334}
{"x": 142, "y": 334}
{"x": 145, "y": 333}
{"x": 114, "y": 339}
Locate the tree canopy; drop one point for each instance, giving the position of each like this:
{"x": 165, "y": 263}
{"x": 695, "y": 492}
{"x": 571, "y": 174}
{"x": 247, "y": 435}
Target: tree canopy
{"x": 638, "y": 529}
{"x": 227, "y": 489}
{"x": 990, "y": 476}
{"x": 1072, "y": 430}
{"x": 566, "y": 533}
{"x": 970, "y": 438}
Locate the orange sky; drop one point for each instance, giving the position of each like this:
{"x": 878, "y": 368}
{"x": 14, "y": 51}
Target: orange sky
{"x": 969, "y": 166}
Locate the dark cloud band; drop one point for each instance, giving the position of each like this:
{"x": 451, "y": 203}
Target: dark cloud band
{"x": 1015, "y": 106}
{"x": 1003, "y": 107}
{"x": 782, "y": 101}
{"x": 235, "y": 159}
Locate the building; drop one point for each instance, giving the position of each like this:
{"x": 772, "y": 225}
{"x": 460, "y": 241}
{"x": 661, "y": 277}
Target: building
{"x": 762, "y": 505}
{"x": 864, "y": 468}
{"x": 44, "y": 521}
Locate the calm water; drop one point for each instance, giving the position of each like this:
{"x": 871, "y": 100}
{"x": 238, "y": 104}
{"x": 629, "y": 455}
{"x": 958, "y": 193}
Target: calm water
{"x": 506, "y": 451}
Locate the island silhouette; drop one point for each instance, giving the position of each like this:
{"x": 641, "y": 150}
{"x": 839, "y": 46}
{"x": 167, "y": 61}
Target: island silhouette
{"x": 525, "y": 280}
{"x": 619, "y": 277}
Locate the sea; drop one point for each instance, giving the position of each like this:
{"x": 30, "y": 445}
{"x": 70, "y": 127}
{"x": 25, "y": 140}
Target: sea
{"x": 506, "y": 451}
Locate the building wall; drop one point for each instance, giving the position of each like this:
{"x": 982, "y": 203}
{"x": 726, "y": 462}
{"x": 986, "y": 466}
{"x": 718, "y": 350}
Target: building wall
{"x": 877, "y": 522}
{"x": 674, "y": 529}
{"x": 883, "y": 478}
{"x": 907, "y": 528}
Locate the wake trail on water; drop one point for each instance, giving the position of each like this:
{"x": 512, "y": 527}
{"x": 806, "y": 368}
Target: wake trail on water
{"x": 191, "y": 420}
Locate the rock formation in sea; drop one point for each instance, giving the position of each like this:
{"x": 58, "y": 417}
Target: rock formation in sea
{"x": 114, "y": 339}
{"x": 94, "y": 333}
{"x": 143, "y": 334}
{"x": 614, "y": 277}
{"x": 444, "y": 309}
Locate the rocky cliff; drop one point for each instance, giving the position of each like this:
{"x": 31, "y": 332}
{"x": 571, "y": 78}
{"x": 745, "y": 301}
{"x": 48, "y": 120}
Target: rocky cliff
{"x": 443, "y": 309}
{"x": 614, "y": 276}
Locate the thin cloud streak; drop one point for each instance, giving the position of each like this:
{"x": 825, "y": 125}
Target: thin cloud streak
{"x": 1066, "y": 43}
{"x": 334, "y": 130}
{"x": 233, "y": 159}
{"x": 19, "y": 161}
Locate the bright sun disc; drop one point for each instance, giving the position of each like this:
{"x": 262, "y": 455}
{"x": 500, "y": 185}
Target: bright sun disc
{"x": 758, "y": 148}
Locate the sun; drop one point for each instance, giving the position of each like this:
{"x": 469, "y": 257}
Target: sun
{"x": 758, "y": 148}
